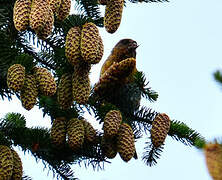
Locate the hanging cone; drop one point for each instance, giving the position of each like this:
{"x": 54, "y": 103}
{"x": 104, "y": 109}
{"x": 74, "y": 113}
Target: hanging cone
{"x": 64, "y": 92}
{"x": 81, "y": 83}
{"x": 100, "y": 51}
{"x": 21, "y": 12}
{"x": 58, "y": 132}
{"x": 45, "y": 80}
{"x": 45, "y": 32}
{"x": 90, "y": 132}
{"x": 109, "y": 147}
{"x": 29, "y": 92}
{"x": 6, "y": 162}
{"x": 113, "y": 15}
{"x": 76, "y": 133}
{"x": 72, "y": 45}
{"x": 64, "y": 10}
{"x": 89, "y": 42}
{"x": 159, "y": 130}
{"x": 16, "y": 77}
{"x": 125, "y": 142}
{"x": 39, "y": 14}
{"x": 112, "y": 123}
{"x": 17, "y": 166}
{"x": 115, "y": 75}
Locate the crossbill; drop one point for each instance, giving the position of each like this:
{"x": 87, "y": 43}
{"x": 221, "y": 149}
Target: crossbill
{"x": 124, "y": 49}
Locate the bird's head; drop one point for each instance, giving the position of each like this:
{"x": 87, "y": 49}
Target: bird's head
{"x": 127, "y": 48}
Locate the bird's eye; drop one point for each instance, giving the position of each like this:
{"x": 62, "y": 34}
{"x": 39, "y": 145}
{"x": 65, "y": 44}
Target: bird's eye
{"x": 134, "y": 44}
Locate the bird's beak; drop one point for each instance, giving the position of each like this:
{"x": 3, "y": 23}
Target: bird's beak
{"x": 133, "y": 45}
{"x": 137, "y": 46}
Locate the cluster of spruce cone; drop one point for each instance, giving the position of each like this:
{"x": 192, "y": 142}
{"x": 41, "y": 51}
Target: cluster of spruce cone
{"x": 30, "y": 85}
{"x": 39, "y": 15}
{"x": 10, "y": 164}
{"x": 77, "y": 131}
{"x": 117, "y": 137}
{"x": 83, "y": 48}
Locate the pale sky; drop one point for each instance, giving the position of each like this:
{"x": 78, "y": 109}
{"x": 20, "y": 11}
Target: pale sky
{"x": 180, "y": 48}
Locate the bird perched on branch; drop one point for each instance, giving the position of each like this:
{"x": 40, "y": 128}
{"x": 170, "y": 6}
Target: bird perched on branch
{"x": 125, "y": 48}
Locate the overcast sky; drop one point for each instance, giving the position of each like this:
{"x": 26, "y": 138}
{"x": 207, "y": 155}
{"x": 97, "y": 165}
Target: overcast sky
{"x": 180, "y": 48}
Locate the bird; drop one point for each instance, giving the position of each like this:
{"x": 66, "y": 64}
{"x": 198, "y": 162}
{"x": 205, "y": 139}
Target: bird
{"x": 125, "y": 48}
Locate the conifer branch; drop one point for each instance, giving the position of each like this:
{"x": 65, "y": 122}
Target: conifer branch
{"x": 218, "y": 76}
{"x": 91, "y": 10}
{"x": 151, "y": 154}
{"x": 181, "y": 132}
{"x": 147, "y": 92}
{"x": 34, "y": 140}
{"x": 142, "y": 118}
{"x": 29, "y": 51}
{"x": 25, "y": 177}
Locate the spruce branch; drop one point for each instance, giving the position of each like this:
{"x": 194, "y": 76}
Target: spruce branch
{"x": 50, "y": 107}
{"x": 218, "y": 76}
{"x": 181, "y": 132}
{"x": 147, "y": 92}
{"x": 91, "y": 10}
{"x": 25, "y": 177}
{"x": 142, "y": 118}
{"x": 29, "y": 50}
{"x": 151, "y": 154}
{"x": 64, "y": 171}
{"x": 34, "y": 140}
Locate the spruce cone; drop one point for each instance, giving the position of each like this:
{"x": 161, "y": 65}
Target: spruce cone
{"x": 58, "y": 132}
{"x": 39, "y": 14}
{"x": 72, "y": 45}
{"x": 16, "y": 77}
{"x": 89, "y": 42}
{"x": 47, "y": 30}
{"x": 125, "y": 142}
{"x": 99, "y": 51}
{"x": 90, "y": 132}
{"x": 159, "y": 130}
{"x": 109, "y": 147}
{"x": 213, "y": 156}
{"x": 54, "y": 5}
{"x": 81, "y": 84}
{"x": 29, "y": 92}
{"x": 113, "y": 15}
{"x": 112, "y": 123}
{"x": 21, "y": 12}
{"x": 116, "y": 74}
{"x": 64, "y": 9}
{"x": 64, "y": 93}
{"x": 45, "y": 81}
{"x": 76, "y": 133}
{"x": 17, "y": 166}
{"x": 6, "y": 162}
